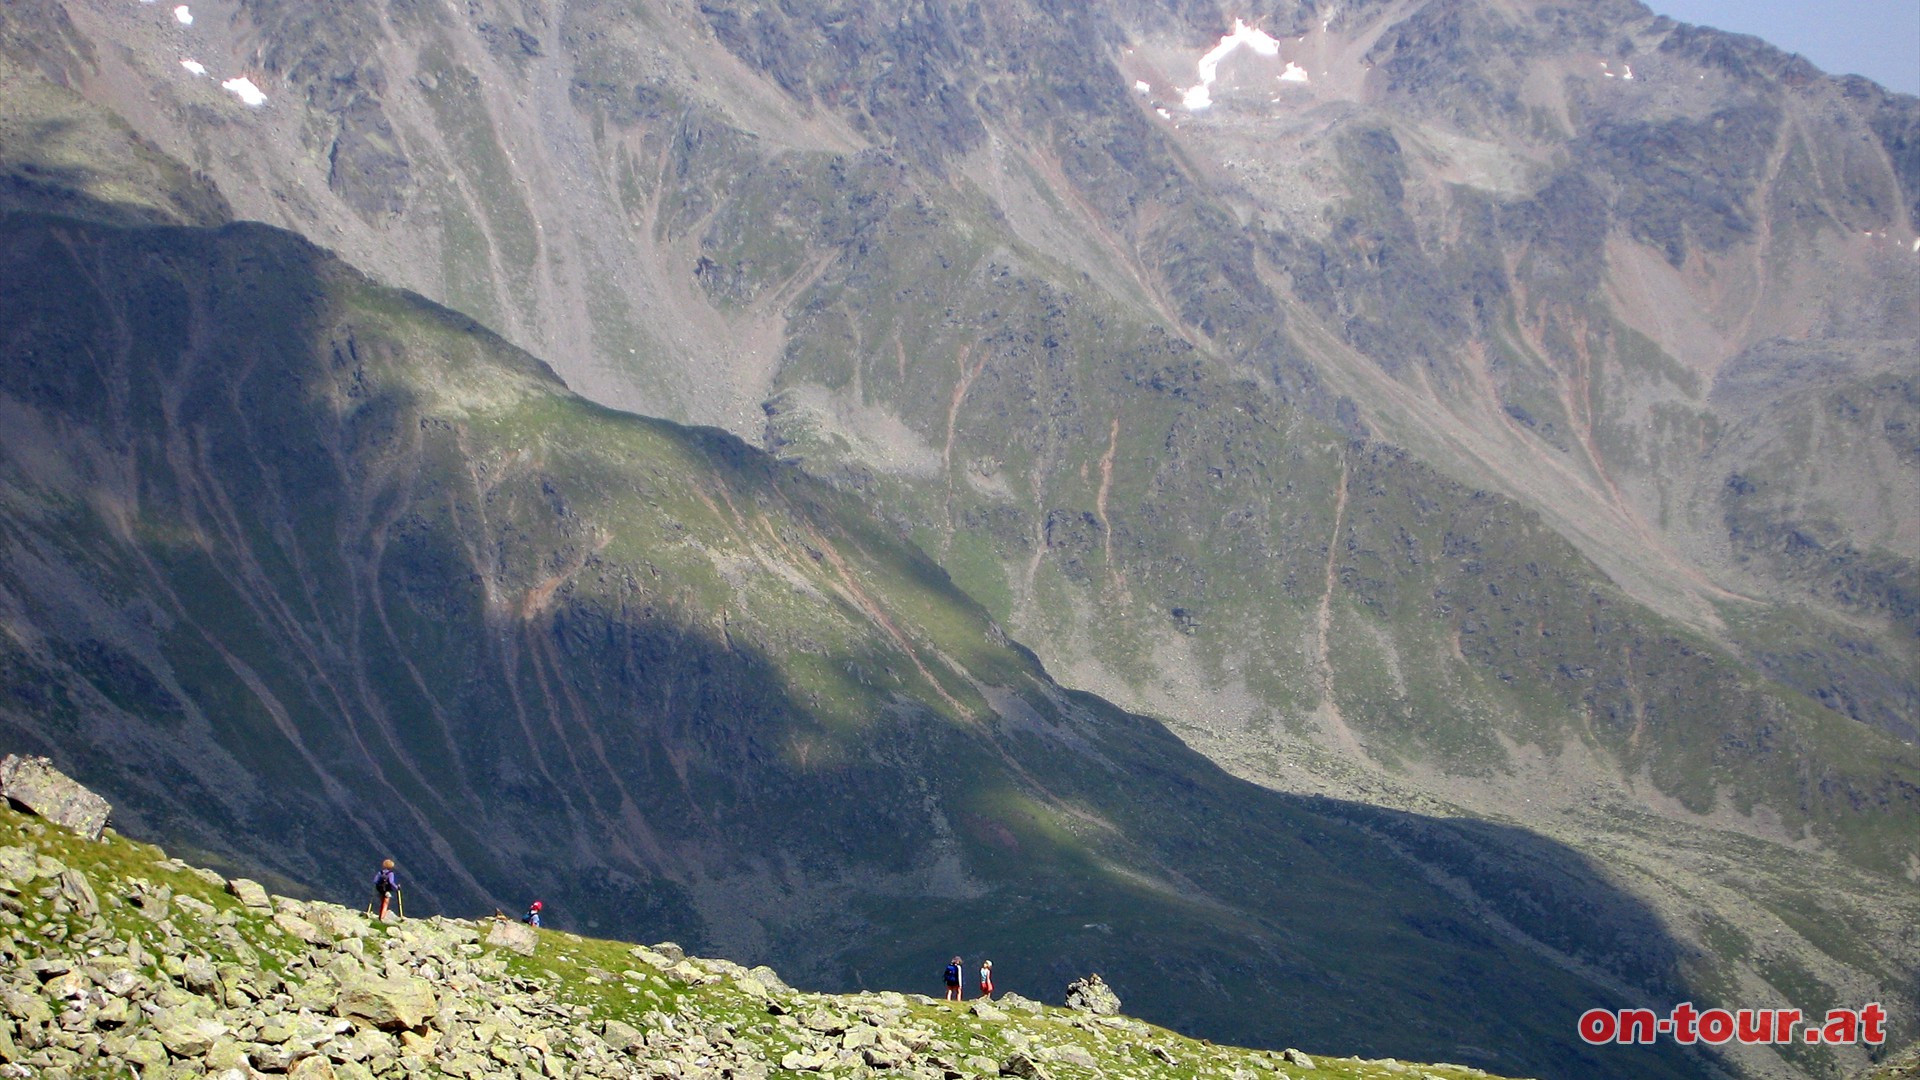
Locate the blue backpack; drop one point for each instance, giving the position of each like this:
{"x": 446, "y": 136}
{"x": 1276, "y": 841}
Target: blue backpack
{"x": 953, "y": 974}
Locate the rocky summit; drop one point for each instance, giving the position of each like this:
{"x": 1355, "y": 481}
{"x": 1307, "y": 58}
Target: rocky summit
{"x": 120, "y": 959}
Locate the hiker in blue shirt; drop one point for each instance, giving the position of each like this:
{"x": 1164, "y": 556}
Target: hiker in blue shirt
{"x": 385, "y": 884}
{"x": 532, "y": 917}
{"x": 953, "y": 980}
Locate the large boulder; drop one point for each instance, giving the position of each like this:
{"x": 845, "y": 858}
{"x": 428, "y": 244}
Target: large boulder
{"x": 392, "y": 1004}
{"x": 519, "y": 937}
{"x": 1093, "y": 996}
{"x": 251, "y": 894}
{"x": 622, "y": 1037}
{"x": 34, "y": 785}
{"x": 186, "y": 1035}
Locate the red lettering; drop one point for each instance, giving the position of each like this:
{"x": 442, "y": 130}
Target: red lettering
{"x": 1637, "y": 1026}
{"x": 1873, "y": 1021}
{"x": 1716, "y": 1026}
{"x": 1753, "y": 1027}
{"x": 1683, "y": 1018}
{"x": 1598, "y": 1026}
{"x": 1784, "y": 1021}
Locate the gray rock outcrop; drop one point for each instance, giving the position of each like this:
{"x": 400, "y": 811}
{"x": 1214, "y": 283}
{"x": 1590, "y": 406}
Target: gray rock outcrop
{"x": 1092, "y": 995}
{"x": 34, "y": 785}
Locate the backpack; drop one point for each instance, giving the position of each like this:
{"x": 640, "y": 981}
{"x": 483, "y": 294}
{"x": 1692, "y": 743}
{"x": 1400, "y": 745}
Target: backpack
{"x": 953, "y": 974}
{"x": 383, "y": 882}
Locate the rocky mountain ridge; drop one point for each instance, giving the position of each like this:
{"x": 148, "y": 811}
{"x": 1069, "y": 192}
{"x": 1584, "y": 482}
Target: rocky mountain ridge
{"x": 119, "y": 957}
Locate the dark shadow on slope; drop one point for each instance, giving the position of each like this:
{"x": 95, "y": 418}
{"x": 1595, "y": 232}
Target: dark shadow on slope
{"x": 275, "y": 609}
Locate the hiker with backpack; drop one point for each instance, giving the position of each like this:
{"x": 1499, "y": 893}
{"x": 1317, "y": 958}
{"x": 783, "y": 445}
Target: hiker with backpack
{"x": 953, "y": 980}
{"x": 532, "y": 917}
{"x": 386, "y": 887}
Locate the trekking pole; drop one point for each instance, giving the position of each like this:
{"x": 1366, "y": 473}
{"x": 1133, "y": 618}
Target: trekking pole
{"x": 400, "y": 897}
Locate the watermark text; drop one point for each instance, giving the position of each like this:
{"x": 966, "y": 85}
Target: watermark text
{"x": 1714, "y": 1027}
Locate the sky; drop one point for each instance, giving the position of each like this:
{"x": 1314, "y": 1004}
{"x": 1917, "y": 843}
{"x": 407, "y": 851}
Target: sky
{"x": 1876, "y": 38}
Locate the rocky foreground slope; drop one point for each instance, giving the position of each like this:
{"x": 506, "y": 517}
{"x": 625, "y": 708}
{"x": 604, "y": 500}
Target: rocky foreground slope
{"x": 119, "y": 959}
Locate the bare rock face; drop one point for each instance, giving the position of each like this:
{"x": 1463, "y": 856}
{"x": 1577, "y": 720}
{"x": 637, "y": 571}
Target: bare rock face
{"x": 34, "y": 785}
{"x": 1092, "y": 995}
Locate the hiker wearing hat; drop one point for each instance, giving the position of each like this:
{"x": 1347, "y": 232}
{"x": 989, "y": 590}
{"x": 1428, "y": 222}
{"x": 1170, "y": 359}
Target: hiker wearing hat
{"x": 953, "y": 980}
{"x": 532, "y": 917}
{"x": 386, "y": 885}
{"x": 986, "y": 978}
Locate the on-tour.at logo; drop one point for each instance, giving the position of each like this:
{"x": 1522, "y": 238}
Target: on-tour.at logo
{"x": 1686, "y": 1025}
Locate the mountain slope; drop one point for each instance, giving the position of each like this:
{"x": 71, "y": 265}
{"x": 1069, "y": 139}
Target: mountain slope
{"x": 1525, "y": 242}
{"x": 1479, "y": 231}
{"x": 1107, "y": 367}
{"x": 306, "y": 572}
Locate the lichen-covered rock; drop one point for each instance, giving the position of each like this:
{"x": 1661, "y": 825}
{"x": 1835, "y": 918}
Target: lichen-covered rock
{"x": 75, "y": 887}
{"x": 18, "y": 864}
{"x": 622, "y": 1037}
{"x": 387, "y": 1003}
{"x": 186, "y": 1035}
{"x": 300, "y": 928}
{"x": 986, "y": 1011}
{"x": 1296, "y": 1057}
{"x": 803, "y": 1061}
{"x": 200, "y": 976}
{"x": 312, "y": 1067}
{"x": 33, "y": 784}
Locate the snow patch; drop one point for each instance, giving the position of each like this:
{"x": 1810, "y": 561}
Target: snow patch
{"x": 194, "y": 66}
{"x": 184, "y": 16}
{"x": 1626, "y": 71}
{"x": 243, "y": 88}
{"x": 1201, "y": 96}
{"x": 1916, "y": 247}
{"x": 1142, "y": 86}
{"x": 1294, "y": 73}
